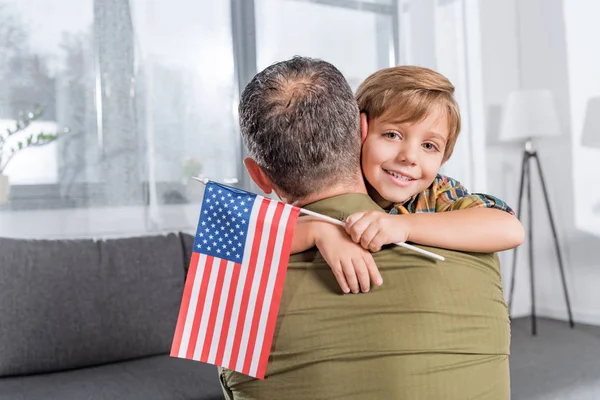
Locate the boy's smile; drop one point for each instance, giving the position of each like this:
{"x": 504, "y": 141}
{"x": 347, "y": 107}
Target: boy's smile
{"x": 401, "y": 159}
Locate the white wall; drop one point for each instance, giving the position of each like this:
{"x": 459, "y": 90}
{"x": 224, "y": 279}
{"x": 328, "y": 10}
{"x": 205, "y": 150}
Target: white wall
{"x": 542, "y": 62}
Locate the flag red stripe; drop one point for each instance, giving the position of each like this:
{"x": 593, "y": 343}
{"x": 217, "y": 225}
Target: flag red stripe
{"x": 210, "y": 328}
{"x": 283, "y": 263}
{"x": 185, "y": 303}
{"x": 227, "y": 315}
{"x": 248, "y": 283}
{"x": 263, "y": 285}
{"x": 199, "y": 307}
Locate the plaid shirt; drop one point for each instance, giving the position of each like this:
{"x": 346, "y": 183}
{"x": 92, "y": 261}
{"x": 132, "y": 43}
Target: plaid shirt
{"x": 447, "y": 194}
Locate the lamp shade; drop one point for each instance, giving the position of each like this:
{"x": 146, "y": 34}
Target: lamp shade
{"x": 591, "y": 126}
{"x": 529, "y": 114}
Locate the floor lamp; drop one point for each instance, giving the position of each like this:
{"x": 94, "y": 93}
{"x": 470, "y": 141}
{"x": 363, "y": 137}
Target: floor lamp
{"x": 591, "y": 131}
{"x": 529, "y": 115}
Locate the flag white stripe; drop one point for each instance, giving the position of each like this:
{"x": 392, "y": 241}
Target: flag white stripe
{"x": 189, "y": 319}
{"x": 222, "y": 305}
{"x": 264, "y": 315}
{"x": 255, "y": 284}
{"x": 210, "y": 294}
{"x": 235, "y": 311}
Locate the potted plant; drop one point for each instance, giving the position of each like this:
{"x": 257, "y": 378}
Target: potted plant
{"x": 10, "y": 145}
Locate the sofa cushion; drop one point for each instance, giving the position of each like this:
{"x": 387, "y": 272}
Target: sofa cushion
{"x": 153, "y": 378}
{"x": 74, "y": 303}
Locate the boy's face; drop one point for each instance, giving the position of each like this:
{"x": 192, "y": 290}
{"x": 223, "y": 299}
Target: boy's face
{"x": 400, "y": 160}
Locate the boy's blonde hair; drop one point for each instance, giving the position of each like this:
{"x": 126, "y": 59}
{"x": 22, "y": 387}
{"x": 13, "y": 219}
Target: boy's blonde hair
{"x": 408, "y": 94}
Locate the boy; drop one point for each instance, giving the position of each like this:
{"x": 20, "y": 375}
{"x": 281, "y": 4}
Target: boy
{"x": 409, "y": 125}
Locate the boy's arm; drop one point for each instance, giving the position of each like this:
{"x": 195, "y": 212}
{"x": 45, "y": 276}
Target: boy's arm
{"x": 304, "y": 235}
{"x": 483, "y": 230}
{"x": 353, "y": 267}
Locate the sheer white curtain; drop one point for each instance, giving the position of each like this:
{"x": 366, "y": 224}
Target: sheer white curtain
{"x": 443, "y": 35}
{"x": 146, "y": 90}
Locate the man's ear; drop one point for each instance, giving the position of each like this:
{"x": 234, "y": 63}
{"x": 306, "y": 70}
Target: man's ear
{"x": 364, "y": 126}
{"x": 258, "y": 176}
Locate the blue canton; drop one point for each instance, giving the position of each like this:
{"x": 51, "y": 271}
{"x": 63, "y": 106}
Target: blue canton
{"x": 224, "y": 220}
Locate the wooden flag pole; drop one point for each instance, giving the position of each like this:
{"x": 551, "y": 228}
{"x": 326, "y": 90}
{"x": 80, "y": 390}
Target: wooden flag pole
{"x": 340, "y": 223}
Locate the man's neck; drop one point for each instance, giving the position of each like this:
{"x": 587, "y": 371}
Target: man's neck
{"x": 356, "y": 187}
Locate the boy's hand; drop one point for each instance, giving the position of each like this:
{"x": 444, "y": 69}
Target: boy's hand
{"x": 373, "y": 229}
{"x": 353, "y": 266}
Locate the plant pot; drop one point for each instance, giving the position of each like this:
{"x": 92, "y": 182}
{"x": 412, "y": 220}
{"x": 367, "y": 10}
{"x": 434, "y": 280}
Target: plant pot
{"x": 4, "y": 189}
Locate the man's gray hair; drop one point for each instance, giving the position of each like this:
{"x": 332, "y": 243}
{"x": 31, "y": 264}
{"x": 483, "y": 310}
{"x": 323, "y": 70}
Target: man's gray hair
{"x": 300, "y": 122}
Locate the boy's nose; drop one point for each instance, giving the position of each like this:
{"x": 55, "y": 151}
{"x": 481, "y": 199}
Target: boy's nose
{"x": 408, "y": 155}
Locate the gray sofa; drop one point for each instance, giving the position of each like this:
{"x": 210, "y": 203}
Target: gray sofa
{"x": 85, "y": 319}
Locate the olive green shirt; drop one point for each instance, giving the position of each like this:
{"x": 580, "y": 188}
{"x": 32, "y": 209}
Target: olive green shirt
{"x": 433, "y": 330}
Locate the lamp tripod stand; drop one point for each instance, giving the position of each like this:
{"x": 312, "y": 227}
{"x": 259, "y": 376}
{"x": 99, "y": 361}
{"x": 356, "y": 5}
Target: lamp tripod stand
{"x": 528, "y": 154}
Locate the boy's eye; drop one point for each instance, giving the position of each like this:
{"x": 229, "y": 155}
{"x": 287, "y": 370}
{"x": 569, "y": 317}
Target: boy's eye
{"x": 430, "y": 146}
{"x": 392, "y": 135}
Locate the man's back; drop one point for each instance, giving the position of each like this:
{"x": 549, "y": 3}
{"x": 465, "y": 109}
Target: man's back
{"x": 434, "y": 330}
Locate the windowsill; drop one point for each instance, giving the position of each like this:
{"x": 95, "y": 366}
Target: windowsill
{"x": 99, "y": 222}
{"x": 39, "y": 211}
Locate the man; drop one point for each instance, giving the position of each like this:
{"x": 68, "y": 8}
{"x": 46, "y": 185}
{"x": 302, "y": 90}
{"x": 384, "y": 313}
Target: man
{"x": 433, "y": 330}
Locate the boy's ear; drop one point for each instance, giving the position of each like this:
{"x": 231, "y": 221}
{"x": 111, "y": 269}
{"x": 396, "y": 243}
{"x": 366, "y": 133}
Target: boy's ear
{"x": 364, "y": 126}
{"x": 258, "y": 175}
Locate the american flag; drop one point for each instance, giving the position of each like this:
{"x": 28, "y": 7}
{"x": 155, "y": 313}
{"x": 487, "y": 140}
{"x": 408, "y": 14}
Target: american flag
{"x": 234, "y": 283}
